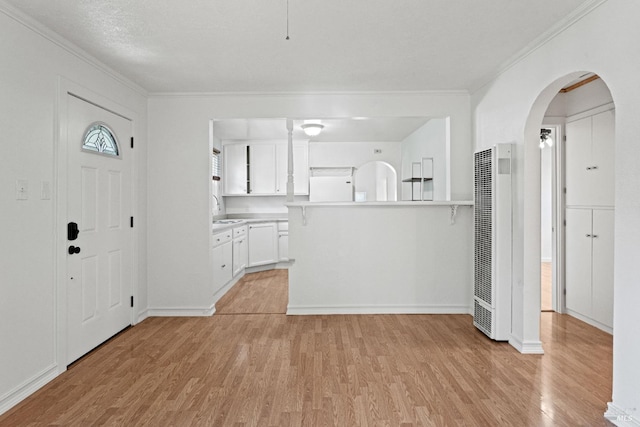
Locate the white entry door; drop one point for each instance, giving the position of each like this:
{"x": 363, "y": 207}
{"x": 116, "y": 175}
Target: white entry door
{"x": 99, "y": 201}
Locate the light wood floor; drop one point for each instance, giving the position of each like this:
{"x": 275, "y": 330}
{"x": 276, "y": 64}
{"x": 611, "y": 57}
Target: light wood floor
{"x": 276, "y": 370}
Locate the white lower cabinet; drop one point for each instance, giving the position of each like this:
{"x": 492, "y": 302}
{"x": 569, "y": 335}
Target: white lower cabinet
{"x": 263, "y": 244}
{"x": 222, "y": 256}
{"x": 589, "y": 263}
{"x": 283, "y": 241}
{"x": 240, "y": 249}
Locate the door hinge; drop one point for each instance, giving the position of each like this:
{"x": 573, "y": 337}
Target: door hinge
{"x": 131, "y": 300}
{"x": 131, "y": 142}
{"x": 131, "y": 222}
{"x": 564, "y": 222}
{"x": 564, "y": 138}
{"x": 564, "y": 291}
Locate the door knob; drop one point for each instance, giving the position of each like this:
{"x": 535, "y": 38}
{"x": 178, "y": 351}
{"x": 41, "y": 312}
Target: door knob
{"x": 74, "y": 250}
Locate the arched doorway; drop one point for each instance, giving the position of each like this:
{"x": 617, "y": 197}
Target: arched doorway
{"x": 581, "y": 108}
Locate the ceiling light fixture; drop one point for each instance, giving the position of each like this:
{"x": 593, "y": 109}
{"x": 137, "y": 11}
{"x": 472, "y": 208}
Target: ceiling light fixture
{"x": 312, "y": 127}
{"x": 545, "y": 137}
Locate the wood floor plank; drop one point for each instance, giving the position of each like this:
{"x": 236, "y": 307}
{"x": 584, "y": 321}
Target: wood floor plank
{"x": 259, "y": 369}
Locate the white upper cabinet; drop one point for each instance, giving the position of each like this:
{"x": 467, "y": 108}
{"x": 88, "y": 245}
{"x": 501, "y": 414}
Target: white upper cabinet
{"x": 234, "y": 171}
{"x": 603, "y": 155}
{"x": 590, "y": 160}
{"x": 260, "y": 168}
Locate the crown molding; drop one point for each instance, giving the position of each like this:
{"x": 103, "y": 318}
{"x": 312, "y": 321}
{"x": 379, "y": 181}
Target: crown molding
{"x": 561, "y": 26}
{"x": 65, "y": 44}
{"x": 312, "y": 93}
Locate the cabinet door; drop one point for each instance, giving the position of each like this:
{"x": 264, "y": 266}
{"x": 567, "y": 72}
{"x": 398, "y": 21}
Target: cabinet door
{"x": 235, "y": 169}
{"x": 578, "y": 159}
{"x": 283, "y": 246}
{"x": 263, "y": 244}
{"x": 222, "y": 266}
{"x": 262, "y": 164}
{"x": 578, "y": 261}
{"x": 602, "y": 267}
{"x": 602, "y": 160}
{"x": 239, "y": 255}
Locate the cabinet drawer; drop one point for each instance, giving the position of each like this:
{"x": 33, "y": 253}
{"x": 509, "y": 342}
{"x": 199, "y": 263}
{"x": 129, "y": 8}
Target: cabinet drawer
{"x": 223, "y": 237}
{"x": 239, "y": 231}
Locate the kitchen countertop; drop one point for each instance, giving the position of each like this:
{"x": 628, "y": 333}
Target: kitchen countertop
{"x": 252, "y": 220}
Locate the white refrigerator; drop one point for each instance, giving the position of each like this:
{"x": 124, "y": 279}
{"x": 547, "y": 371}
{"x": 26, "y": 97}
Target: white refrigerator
{"x": 331, "y": 185}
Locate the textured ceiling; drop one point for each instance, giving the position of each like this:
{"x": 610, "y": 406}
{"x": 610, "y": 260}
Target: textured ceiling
{"x": 335, "y": 45}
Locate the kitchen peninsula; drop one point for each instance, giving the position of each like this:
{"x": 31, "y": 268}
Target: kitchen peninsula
{"x": 380, "y": 257}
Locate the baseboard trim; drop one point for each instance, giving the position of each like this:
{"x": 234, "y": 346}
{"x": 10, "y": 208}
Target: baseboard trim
{"x": 377, "y": 309}
{"x": 590, "y": 321}
{"x": 526, "y": 347}
{"x": 621, "y": 417}
{"x": 182, "y": 312}
{"x": 142, "y": 316}
{"x": 17, "y": 395}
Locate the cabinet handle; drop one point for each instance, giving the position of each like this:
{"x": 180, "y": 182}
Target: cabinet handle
{"x": 595, "y": 236}
{"x": 224, "y": 265}
{"x": 588, "y": 235}
{"x": 594, "y": 167}
{"x": 588, "y": 168}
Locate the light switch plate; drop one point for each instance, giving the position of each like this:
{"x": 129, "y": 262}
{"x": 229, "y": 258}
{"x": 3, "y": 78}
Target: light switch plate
{"x": 22, "y": 189}
{"x": 45, "y": 190}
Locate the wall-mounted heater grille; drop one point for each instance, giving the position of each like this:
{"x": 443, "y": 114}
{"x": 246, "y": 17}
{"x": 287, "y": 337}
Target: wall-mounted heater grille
{"x": 492, "y": 241}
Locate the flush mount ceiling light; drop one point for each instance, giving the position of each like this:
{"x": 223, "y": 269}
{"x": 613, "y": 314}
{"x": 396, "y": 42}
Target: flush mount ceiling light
{"x": 312, "y": 127}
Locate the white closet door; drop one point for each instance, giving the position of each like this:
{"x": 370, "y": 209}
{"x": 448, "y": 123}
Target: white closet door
{"x": 578, "y": 261}
{"x": 578, "y": 159}
{"x": 602, "y": 277}
{"x": 602, "y": 159}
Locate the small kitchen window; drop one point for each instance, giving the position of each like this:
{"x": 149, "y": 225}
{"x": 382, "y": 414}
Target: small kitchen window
{"x": 215, "y": 164}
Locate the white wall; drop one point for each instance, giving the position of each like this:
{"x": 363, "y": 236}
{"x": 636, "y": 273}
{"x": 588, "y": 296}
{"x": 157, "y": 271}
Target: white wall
{"x": 361, "y": 258}
{"x": 180, "y": 274}
{"x": 511, "y": 109}
{"x": 429, "y": 140}
{"x": 31, "y": 68}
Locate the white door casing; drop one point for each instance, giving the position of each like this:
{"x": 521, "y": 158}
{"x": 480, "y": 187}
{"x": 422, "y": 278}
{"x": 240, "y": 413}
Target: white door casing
{"x": 99, "y": 199}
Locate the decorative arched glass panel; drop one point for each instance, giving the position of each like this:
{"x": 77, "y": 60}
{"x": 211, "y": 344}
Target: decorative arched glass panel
{"x": 100, "y": 139}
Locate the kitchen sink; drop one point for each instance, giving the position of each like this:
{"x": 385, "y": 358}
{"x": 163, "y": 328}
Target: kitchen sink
{"x": 228, "y": 221}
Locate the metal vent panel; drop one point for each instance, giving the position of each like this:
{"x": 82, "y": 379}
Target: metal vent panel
{"x": 483, "y": 211}
{"x": 482, "y": 318}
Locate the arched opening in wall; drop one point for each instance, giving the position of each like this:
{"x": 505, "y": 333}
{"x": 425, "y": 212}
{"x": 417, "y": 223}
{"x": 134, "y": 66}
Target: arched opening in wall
{"x": 573, "y": 121}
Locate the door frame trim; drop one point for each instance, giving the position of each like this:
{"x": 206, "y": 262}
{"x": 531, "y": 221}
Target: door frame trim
{"x": 66, "y": 87}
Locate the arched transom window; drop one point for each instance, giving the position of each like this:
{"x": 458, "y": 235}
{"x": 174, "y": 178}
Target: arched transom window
{"x": 100, "y": 139}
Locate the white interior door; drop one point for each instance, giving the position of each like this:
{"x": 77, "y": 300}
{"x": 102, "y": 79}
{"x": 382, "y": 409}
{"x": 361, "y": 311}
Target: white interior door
{"x": 99, "y": 201}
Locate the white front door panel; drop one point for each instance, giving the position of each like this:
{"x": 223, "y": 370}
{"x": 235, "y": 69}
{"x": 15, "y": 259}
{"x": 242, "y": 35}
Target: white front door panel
{"x": 99, "y": 282}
